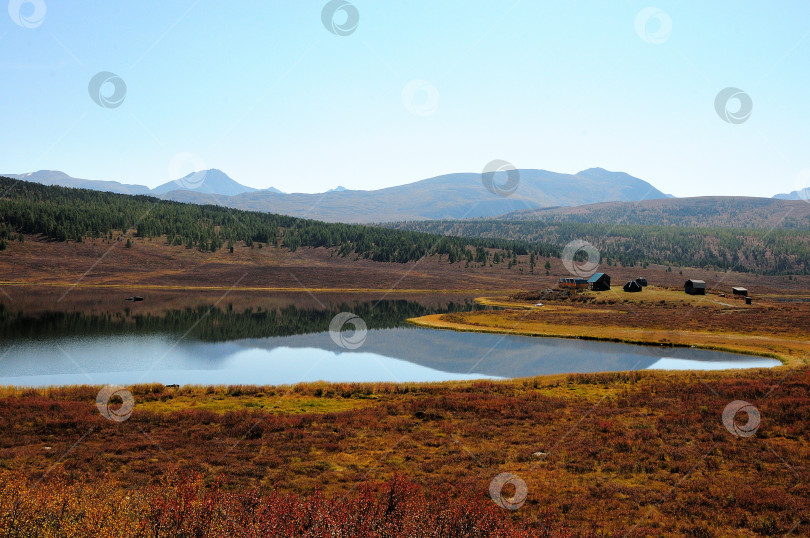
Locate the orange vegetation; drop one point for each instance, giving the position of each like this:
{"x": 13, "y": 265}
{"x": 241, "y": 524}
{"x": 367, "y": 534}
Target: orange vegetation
{"x": 644, "y": 453}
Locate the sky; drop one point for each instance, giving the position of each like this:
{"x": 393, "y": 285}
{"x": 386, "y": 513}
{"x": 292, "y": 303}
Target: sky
{"x": 297, "y": 96}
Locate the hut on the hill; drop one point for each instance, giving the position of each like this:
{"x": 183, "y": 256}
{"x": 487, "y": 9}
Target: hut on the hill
{"x": 599, "y": 282}
{"x": 695, "y": 287}
{"x": 633, "y": 286}
{"x": 739, "y": 291}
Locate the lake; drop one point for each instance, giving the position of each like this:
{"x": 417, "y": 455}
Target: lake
{"x": 403, "y": 354}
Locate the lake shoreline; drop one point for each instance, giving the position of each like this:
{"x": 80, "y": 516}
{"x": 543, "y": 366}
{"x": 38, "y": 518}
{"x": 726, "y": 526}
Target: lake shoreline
{"x": 434, "y": 322}
{"x": 594, "y": 317}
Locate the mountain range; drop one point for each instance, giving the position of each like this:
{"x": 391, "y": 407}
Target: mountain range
{"x": 211, "y": 181}
{"x": 593, "y": 195}
{"x": 453, "y": 196}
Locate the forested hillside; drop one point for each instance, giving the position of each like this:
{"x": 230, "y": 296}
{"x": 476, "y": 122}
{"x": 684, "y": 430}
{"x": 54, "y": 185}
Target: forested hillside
{"x": 705, "y": 211}
{"x": 65, "y": 214}
{"x": 777, "y": 251}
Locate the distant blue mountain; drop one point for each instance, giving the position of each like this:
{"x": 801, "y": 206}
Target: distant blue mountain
{"x": 211, "y": 182}
{"x": 205, "y": 182}
{"x": 803, "y": 194}
{"x": 55, "y": 177}
{"x": 451, "y": 196}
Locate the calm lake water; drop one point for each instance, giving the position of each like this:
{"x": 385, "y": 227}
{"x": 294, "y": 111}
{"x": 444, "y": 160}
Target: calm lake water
{"x": 398, "y": 354}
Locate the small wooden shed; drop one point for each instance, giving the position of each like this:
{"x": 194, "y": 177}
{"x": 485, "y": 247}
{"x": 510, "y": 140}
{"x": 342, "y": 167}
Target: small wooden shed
{"x": 695, "y": 287}
{"x": 739, "y": 291}
{"x": 599, "y": 282}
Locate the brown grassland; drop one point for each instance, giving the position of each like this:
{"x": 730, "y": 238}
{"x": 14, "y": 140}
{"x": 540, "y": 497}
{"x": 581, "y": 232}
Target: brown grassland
{"x": 37, "y": 273}
{"x": 640, "y": 453}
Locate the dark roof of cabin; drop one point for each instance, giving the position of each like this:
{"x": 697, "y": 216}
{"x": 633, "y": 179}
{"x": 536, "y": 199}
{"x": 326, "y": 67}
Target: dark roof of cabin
{"x": 740, "y": 289}
{"x": 596, "y": 277}
{"x": 696, "y": 283}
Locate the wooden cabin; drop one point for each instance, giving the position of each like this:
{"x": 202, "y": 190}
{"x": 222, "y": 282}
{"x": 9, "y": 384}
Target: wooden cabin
{"x": 739, "y": 291}
{"x": 695, "y": 287}
{"x": 599, "y": 282}
{"x": 574, "y": 283}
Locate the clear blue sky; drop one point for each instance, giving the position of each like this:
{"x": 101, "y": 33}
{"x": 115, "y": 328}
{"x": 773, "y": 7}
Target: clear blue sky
{"x": 264, "y": 92}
